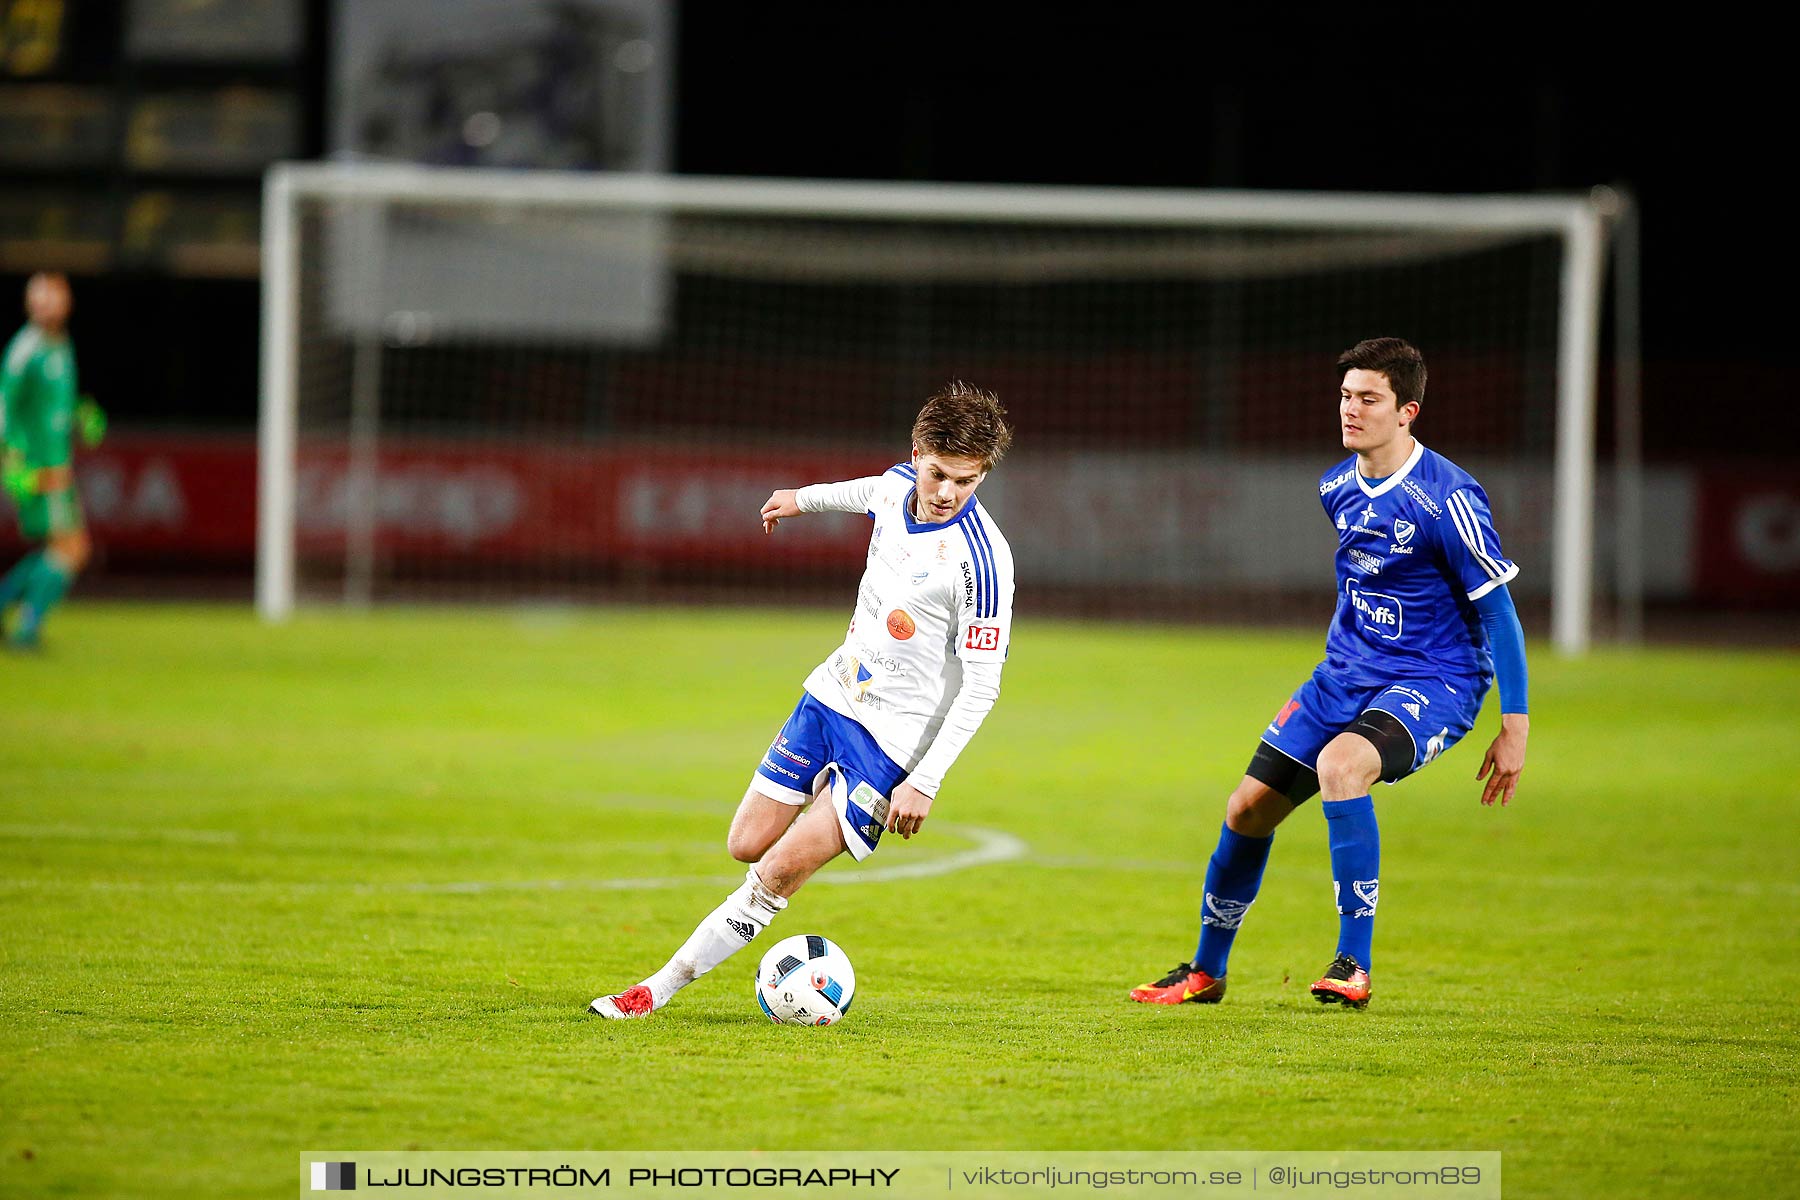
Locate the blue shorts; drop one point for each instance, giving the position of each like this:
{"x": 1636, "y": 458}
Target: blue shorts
{"x": 1437, "y": 713}
{"x": 816, "y": 741}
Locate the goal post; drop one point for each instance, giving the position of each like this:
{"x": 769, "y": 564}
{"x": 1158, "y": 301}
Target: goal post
{"x": 423, "y": 320}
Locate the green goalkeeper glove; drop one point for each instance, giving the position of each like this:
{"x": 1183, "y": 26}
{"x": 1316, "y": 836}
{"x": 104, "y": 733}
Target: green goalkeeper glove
{"x": 19, "y": 480}
{"x": 90, "y": 418}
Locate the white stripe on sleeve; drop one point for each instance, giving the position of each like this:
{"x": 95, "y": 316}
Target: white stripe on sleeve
{"x": 1463, "y": 514}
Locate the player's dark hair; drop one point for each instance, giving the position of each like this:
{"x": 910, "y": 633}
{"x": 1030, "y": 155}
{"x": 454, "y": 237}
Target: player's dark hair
{"x": 1394, "y": 357}
{"x": 963, "y": 421}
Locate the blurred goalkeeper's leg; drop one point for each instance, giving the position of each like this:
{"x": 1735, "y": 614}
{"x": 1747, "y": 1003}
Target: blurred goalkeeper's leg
{"x": 56, "y": 567}
{"x": 12, "y": 586}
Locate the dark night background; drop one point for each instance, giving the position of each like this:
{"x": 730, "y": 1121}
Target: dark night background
{"x": 1692, "y": 121}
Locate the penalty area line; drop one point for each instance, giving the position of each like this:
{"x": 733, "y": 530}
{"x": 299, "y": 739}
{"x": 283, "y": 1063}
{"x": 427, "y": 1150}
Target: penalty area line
{"x": 991, "y": 846}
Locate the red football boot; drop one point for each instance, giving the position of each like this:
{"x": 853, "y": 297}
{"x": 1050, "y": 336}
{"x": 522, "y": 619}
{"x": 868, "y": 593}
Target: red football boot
{"x": 1343, "y": 983}
{"x": 1184, "y": 983}
{"x": 632, "y": 1002}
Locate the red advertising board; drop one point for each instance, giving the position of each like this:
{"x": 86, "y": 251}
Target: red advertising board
{"x": 188, "y": 497}
{"x": 192, "y": 498}
{"x": 1747, "y": 544}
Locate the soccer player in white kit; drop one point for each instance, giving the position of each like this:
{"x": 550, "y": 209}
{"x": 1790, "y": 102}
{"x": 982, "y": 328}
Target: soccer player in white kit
{"x": 884, "y": 717}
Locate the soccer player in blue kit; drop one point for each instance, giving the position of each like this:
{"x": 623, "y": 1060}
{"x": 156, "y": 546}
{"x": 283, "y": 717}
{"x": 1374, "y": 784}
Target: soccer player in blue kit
{"x": 1423, "y": 626}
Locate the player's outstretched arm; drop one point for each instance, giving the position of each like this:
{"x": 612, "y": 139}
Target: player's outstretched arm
{"x": 779, "y": 504}
{"x": 850, "y": 496}
{"x": 1505, "y": 757}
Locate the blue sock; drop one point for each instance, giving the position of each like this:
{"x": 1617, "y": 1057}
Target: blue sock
{"x": 1355, "y": 871}
{"x": 1233, "y": 876}
{"x": 13, "y": 586}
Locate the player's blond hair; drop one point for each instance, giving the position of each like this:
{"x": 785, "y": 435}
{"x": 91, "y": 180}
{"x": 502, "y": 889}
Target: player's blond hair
{"x": 963, "y": 421}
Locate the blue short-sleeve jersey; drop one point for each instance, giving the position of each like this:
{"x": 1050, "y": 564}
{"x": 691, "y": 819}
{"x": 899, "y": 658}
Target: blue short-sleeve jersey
{"x": 1415, "y": 551}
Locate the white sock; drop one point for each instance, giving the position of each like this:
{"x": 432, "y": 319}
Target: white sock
{"x": 726, "y": 930}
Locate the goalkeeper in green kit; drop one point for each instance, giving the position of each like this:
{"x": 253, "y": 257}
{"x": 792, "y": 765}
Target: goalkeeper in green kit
{"x": 38, "y": 414}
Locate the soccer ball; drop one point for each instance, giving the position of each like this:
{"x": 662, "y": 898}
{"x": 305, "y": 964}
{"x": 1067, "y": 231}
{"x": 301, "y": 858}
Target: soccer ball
{"x": 805, "y": 980}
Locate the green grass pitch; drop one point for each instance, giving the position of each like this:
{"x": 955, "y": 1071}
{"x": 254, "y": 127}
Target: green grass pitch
{"x": 351, "y": 882}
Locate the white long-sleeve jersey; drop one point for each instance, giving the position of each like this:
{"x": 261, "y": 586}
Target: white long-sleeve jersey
{"x": 920, "y": 665}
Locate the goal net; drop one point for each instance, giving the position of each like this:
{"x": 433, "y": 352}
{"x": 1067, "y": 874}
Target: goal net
{"x": 514, "y": 386}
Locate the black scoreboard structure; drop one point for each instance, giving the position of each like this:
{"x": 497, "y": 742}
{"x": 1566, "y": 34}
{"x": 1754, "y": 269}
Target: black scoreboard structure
{"x": 135, "y": 132}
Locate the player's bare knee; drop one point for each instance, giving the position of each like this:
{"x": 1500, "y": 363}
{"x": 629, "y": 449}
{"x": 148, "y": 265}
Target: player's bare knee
{"x": 780, "y": 875}
{"x": 1348, "y": 766}
{"x": 746, "y": 843}
{"x": 71, "y": 550}
{"x": 1255, "y": 809}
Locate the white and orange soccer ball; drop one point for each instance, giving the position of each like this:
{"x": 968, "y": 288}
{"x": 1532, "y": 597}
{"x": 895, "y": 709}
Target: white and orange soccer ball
{"x": 805, "y": 980}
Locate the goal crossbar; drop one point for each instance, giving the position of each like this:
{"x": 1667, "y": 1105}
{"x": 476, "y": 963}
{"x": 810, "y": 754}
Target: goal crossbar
{"x": 1579, "y": 222}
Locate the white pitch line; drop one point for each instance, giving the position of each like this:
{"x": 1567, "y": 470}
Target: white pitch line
{"x": 88, "y": 833}
{"x": 991, "y": 846}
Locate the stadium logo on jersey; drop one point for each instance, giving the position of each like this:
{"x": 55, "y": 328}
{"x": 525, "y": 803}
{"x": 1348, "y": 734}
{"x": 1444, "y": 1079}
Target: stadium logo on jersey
{"x": 1425, "y": 501}
{"x": 1343, "y": 523}
{"x": 982, "y": 637}
{"x": 1412, "y": 708}
{"x": 900, "y": 625}
{"x": 1222, "y": 913}
{"x": 1376, "y": 612}
{"x": 1365, "y": 562}
{"x": 1331, "y": 485}
{"x": 1403, "y": 531}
